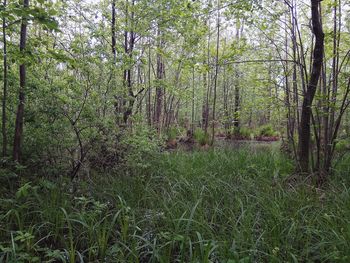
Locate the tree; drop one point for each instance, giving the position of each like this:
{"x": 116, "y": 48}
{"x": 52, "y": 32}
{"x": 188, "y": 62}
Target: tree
{"x": 216, "y": 71}
{"x": 5, "y": 80}
{"x": 18, "y": 137}
{"x": 306, "y": 111}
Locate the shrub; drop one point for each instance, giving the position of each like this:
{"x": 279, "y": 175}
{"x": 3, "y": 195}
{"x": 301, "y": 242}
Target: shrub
{"x": 139, "y": 146}
{"x": 343, "y": 145}
{"x": 173, "y": 132}
{"x": 246, "y": 132}
{"x": 242, "y": 133}
{"x": 267, "y": 131}
{"x": 201, "y": 137}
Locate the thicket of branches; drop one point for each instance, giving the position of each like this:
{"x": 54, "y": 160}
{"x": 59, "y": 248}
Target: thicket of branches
{"x": 90, "y": 81}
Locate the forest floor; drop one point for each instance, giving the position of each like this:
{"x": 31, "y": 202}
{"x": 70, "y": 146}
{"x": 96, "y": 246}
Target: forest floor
{"x": 220, "y": 205}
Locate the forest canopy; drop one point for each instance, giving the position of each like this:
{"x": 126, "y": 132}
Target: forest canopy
{"x": 90, "y": 69}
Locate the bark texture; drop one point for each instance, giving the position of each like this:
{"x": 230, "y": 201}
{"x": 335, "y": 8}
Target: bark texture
{"x": 309, "y": 94}
{"x": 18, "y": 136}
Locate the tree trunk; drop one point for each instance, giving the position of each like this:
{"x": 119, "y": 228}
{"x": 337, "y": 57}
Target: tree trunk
{"x": 287, "y": 90}
{"x": 113, "y": 33}
{"x": 193, "y": 106}
{"x": 149, "y": 103}
{"x": 18, "y": 136}
{"x": 4, "y": 98}
{"x": 204, "y": 103}
{"x": 237, "y": 95}
{"x": 331, "y": 126}
{"x": 206, "y": 111}
{"x": 237, "y": 102}
{"x": 216, "y": 73}
{"x": 129, "y": 49}
{"x": 226, "y": 111}
{"x": 304, "y": 133}
{"x": 296, "y": 115}
{"x": 159, "y": 89}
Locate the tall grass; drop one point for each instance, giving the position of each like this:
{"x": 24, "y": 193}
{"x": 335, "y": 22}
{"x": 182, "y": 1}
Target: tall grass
{"x": 216, "y": 206}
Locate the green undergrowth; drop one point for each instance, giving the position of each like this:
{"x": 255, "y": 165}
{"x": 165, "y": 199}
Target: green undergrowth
{"x": 215, "y": 206}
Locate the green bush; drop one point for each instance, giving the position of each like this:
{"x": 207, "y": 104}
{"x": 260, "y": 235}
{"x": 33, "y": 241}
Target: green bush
{"x": 242, "y": 133}
{"x": 140, "y": 146}
{"x": 246, "y": 132}
{"x": 267, "y": 130}
{"x": 342, "y": 145}
{"x": 201, "y": 137}
{"x": 173, "y": 132}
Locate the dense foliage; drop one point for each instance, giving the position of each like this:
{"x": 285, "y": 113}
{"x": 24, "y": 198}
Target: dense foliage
{"x": 216, "y": 206}
{"x": 174, "y": 131}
